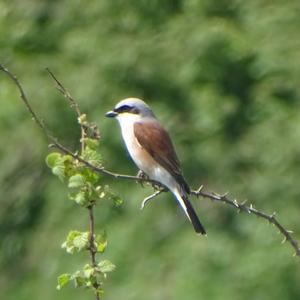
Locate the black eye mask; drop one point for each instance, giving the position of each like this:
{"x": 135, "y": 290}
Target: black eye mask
{"x": 126, "y": 108}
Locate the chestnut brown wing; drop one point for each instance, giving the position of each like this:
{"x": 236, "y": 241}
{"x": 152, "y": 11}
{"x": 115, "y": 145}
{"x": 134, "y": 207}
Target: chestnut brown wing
{"x": 156, "y": 141}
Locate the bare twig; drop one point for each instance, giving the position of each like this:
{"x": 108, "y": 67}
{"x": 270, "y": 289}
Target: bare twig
{"x": 24, "y": 99}
{"x": 212, "y": 196}
{"x": 92, "y": 235}
{"x": 92, "y": 249}
{"x": 147, "y": 199}
{"x": 73, "y": 105}
{"x": 65, "y": 93}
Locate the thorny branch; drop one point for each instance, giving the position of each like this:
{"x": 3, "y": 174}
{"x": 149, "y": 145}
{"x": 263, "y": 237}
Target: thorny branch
{"x": 241, "y": 207}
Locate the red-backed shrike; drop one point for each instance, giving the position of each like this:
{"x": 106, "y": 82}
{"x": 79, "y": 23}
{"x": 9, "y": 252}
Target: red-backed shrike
{"x": 151, "y": 148}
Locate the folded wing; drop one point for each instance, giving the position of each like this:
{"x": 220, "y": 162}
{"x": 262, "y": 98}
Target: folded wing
{"x": 156, "y": 141}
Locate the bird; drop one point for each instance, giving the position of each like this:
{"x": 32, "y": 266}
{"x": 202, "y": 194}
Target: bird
{"x": 152, "y": 150}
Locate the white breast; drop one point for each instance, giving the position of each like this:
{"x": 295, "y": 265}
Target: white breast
{"x": 138, "y": 155}
{"x": 126, "y": 122}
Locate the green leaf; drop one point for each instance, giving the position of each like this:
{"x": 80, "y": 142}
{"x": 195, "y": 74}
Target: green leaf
{"x": 52, "y": 158}
{"x": 70, "y": 168}
{"x": 90, "y": 175}
{"x": 92, "y": 156}
{"x": 92, "y": 143}
{"x": 62, "y": 280}
{"x": 76, "y": 241}
{"x": 88, "y": 271}
{"x": 76, "y": 181}
{"x": 106, "y": 266}
{"x": 81, "y": 241}
{"x": 118, "y": 201}
{"x": 79, "y": 280}
{"x": 101, "y": 247}
{"x": 59, "y": 171}
{"x": 101, "y": 242}
{"x": 82, "y": 197}
{"x": 61, "y": 165}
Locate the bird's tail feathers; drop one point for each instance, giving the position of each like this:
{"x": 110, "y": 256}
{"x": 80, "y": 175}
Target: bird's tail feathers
{"x": 190, "y": 212}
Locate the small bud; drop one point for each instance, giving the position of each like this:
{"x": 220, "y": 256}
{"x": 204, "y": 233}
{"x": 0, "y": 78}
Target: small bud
{"x": 82, "y": 119}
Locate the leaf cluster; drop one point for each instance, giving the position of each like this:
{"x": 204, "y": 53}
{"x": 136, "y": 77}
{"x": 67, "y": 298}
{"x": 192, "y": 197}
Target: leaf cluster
{"x": 77, "y": 241}
{"x": 83, "y": 182}
{"x": 86, "y": 191}
{"x": 90, "y": 277}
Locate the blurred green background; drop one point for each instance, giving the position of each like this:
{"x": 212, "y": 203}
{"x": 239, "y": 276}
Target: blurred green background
{"x": 223, "y": 76}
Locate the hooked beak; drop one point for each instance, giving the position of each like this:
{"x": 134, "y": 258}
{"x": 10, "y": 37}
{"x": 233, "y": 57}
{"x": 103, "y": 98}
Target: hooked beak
{"x": 111, "y": 114}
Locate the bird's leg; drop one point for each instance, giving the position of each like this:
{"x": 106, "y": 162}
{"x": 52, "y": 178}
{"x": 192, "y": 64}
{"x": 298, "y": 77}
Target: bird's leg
{"x": 158, "y": 188}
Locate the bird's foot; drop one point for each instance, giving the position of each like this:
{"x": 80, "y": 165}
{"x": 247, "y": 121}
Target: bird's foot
{"x": 157, "y": 187}
{"x": 141, "y": 174}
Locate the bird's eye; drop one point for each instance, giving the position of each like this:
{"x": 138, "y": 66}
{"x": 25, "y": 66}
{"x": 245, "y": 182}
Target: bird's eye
{"x": 123, "y": 108}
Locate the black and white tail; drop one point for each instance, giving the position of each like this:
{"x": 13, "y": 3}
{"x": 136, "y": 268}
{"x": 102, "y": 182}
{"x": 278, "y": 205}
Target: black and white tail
{"x": 190, "y": 212}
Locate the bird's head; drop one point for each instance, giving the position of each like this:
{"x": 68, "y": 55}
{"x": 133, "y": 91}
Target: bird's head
{"x": 130, "y": 108}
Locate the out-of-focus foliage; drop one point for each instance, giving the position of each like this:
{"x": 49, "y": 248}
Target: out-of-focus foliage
{"x": 223, "y": 76}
